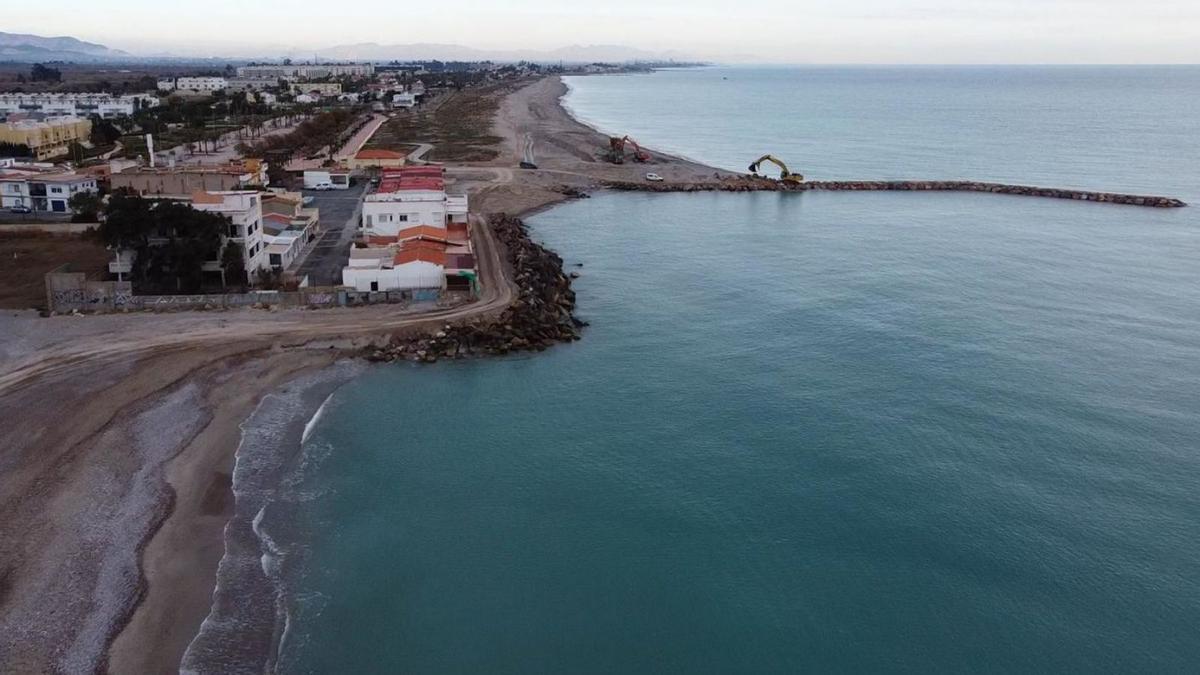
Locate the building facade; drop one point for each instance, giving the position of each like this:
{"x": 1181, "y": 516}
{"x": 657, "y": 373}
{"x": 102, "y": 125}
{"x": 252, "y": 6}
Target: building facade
{"x": 181, "y": 182}
{"x": 53, "y": 192}
{"x": 201, "y": 84}
{"x": 243, "y": 208}
{"x": 81, "y": 105}
{"x": 322, "y": 89}
{"x": 408, "y": 197}
{"x": 48, "y": 138}
{"x": 309, "y": 71}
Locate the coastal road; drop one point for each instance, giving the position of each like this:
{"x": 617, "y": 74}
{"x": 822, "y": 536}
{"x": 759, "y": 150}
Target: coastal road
{"x": 339, "y": 222}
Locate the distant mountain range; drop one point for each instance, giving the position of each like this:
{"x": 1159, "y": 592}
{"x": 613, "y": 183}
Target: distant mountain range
{"x": 371, "y": 51}
{"x": 35, "y": 48}
{"x": 32, "y": 48}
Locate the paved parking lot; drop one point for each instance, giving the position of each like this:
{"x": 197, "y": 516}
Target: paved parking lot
{"x": 339, "y": 221}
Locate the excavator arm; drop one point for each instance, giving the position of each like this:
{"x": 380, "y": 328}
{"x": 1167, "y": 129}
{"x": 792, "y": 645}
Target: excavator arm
{"x": 784, "y": 173}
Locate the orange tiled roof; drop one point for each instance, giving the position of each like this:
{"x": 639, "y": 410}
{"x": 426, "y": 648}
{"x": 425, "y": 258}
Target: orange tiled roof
{"x": 422, "y": 231}
{"x": 421, "y": 254}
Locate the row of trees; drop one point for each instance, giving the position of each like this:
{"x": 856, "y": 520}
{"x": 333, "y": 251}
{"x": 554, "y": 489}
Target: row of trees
{"x": 172, "y": 241}
{"x": 309, "y": 137}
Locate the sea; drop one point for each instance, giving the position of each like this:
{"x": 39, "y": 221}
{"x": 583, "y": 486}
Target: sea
{"x": 808, "y": 432}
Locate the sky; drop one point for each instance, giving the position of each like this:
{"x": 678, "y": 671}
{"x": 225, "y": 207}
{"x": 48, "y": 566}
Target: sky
{"x": 766, "y": 31}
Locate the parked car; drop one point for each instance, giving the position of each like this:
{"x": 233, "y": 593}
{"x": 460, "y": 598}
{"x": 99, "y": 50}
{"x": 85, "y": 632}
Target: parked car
{"x": 20, "y": 209}
{"x": 323, "y": 186}
{"x": 654, "y": 178}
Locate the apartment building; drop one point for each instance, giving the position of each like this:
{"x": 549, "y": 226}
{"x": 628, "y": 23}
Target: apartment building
{"x": 251, "y": 83}
{"x": 308, "y": 72}
{"x": 47, "y": 138}
{"x": 322, "y": 89}
{"x": 415, "y": 258}
{"x": 181, "y": 182}
{"x": 82, "y": 105}
{"x": 243, "y": 208}
{"x": 201, "y": 84}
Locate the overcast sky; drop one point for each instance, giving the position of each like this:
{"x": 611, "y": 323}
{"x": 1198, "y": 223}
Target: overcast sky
{"x": 784, "y": 31}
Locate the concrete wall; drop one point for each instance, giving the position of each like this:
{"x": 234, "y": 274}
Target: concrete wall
{"x": 51, "y": 228}
{"x": 71, "y": 291}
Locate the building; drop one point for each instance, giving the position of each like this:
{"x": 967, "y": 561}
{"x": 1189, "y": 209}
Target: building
{"x": 404, "y": 100}
{"x": 322, "y": 89}
{"x": 307, "y": 98}
{"x": 408, "y": 197}
{"x": 252, "y": 84}
{"x": 81, "y": 105}
{"x": 201, "y": 84}
{"x": 181, "y": 182}
{"x": 48, "y": 138}
{"x": 287, "y": 228}
{"x": 327, "y": 179}
{"x": 312, "y": 72}
{"x": 372, "y": 158}
{"x": 243, "y": 208}
{"x": 53, "y": 192}
{"x": 167, "y": 84}
{"x": 417, "y": 258}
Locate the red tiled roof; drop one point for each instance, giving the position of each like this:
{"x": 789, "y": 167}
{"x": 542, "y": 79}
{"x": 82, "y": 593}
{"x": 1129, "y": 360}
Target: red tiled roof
{"x": 381, "y": 240}
{"x": 420, "y": 254}
{"x": 413, "y": 178}
{"x": 423, "y": 231}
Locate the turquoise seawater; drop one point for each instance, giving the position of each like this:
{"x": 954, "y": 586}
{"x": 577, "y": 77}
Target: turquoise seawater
{"x": 813, "y": 432}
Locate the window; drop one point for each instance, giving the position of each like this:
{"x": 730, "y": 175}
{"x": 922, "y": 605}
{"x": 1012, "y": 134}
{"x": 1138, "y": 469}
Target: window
{"x": 403, "y": 217}
{"x": 233, "y": 231}
{"x": 56, "y": 191}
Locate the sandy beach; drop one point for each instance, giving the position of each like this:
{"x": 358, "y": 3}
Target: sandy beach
{"x": 121, "y": 430}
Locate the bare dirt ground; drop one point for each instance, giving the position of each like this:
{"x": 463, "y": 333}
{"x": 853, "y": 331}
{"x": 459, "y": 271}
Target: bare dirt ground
{"x": 119, "y": 431}
{"x": 25, "y": 258}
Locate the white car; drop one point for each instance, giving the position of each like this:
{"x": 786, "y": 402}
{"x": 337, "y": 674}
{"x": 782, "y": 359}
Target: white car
{"x": 654, "y": 178}
{"x": 323, "y": 186}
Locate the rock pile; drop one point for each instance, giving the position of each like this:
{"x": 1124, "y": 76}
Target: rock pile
{"x": 752, "y": 184}
{"x": 541, "y": 316}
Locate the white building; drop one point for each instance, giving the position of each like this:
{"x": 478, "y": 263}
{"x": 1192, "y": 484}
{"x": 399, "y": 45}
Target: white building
{"x": 53, "y": 192}
{"x": 403, "y": 100}
{"x": 81, "y": 105}
{"x": 408, "y": 197}
{"x": 322, "y": 89}
{"x": 40, "y": 191}
{"x": 307, "y": 98}
{"x": 167, "y": 84}
{"x": 309, "y": 72}
{"x": 243, "y": 208}
{"x": 201, "y": 84}
{"x": 252, "y": 84}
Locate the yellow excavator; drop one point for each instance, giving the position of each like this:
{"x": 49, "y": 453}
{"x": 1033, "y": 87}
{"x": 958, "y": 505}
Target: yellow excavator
{"x": 784, "y": 175}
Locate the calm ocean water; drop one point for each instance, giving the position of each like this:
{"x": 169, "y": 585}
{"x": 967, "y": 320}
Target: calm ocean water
{"x": 806, "y": 432}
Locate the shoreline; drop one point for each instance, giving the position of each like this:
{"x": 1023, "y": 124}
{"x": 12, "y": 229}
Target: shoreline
{"x": 177, "y": 390}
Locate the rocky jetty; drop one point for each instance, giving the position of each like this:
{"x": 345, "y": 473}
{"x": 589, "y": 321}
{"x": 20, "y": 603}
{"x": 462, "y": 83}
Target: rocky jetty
{"x": 751, "y": 184}
{"x": 541, "y": 316}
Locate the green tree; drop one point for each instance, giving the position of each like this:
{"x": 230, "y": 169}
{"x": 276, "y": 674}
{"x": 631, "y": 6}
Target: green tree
{"x": 85, "y": 207}
{"x": 172, "y": 240}
{"x": 233, "y": 262}
{"x": 104, "y": 132}
{"x": 41, "y": 73}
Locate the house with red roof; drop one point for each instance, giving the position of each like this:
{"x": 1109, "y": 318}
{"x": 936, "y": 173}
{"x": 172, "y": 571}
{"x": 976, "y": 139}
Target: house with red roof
{"x": 409, "y": 197}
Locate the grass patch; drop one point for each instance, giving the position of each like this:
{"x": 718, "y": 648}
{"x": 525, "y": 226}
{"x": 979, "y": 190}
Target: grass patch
{"x": 459, "y": 126}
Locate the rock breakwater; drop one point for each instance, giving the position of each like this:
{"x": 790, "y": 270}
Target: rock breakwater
{"x": 541, "y": 316}
{"x": 749, "y": 184}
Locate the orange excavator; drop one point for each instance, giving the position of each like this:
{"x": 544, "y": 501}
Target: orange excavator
{"x": 616, "y": 150}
